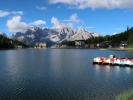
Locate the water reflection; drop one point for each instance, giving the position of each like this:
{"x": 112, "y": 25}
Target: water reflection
{"x": 128, "y": 70}
{"x": 100, "y": 69}
{"x": 12, "y": 63}
{"x": 55, "y": 63}
{"x": 97, "y": 67}
{"x": 117, "y": 69}
{"x": 107, "y": 68}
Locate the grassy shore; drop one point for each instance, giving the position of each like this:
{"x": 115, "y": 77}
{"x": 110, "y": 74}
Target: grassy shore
{"x": 122, "y": 49}
{"x": 128, "y": 95}
{"x": 129, "y": 49}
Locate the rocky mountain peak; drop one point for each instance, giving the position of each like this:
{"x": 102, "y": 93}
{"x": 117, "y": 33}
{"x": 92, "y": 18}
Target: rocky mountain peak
{"x": 52, "y": 36}
{"x": 80, "y": 30}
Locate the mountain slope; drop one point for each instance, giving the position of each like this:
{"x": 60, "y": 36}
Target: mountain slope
{"x": 35, "y": 35}
{"x": 81, "y": 34}
{"x": 51, "y": 36}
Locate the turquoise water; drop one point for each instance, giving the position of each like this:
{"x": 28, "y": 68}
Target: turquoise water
{"x": 61, "y": 74}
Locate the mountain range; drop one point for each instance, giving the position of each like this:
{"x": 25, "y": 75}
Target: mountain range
{"x": 52, "y": 36}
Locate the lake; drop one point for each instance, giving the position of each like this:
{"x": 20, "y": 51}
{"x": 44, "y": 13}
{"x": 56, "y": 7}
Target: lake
{"x": 61, "y": 74}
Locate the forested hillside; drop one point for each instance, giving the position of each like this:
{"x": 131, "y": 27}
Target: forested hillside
{"x": 115, "y": 40}
{"x": 6, "y": 43}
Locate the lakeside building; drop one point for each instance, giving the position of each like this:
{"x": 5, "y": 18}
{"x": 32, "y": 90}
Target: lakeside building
{"x": 79, "y": 43}
{"x": 40, "y": 45}
{"x": 18, "y": 46}
{"x": 123, "y": 44}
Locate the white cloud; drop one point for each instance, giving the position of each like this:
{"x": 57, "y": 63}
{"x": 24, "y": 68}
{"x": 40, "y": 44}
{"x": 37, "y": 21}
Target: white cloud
{"x": 73, "y": 19}
{"x": 114, "y": 33}
{"x": 56, "y": 23}
{"x": 7, "y": 13}
{"x": 16, "y": 25}
{"x": 4, "y": 13}
{"x": 41, "y": 8}
{"x": 109, "y": 4}
{"x": 38, "y": 22}
{"x": 17, "y": 12}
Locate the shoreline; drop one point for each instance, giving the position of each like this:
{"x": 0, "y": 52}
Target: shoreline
{"x": 113, "y": 49}
{"x": 122, "y": 49}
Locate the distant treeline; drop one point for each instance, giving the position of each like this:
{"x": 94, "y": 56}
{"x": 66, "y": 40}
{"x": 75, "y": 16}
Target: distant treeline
{"x": 113, "y": 40}
{"x": 6, "y": 43}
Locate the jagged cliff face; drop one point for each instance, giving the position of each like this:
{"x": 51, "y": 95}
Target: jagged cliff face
{"x": 81, "y": 34}
{"x": 51, "y": 36}
{"x": 65, "y": 33}
{"x": 36, "y": 35}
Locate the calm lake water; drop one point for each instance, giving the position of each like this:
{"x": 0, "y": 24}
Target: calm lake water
{"x": 61, "y": 74}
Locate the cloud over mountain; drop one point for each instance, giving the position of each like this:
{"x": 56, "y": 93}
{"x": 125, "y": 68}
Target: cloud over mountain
{"x": 4, "y": 13}
{"x": 15, "y": 24}
{"x": 70, "y": 22}
{"x": 73, "y": 19}
{"x": 38, "y": 22}
{"x": 109, "y": 4}
{"x": 56, "y": 23}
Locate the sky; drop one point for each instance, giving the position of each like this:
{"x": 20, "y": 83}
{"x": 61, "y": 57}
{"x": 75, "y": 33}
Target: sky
{"x": 105, "y": 17}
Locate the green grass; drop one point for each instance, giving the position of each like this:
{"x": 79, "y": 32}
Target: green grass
{"x": 130, "y": 49}
{"x": 130, "y": 46}
{"x": 128, "y": 95}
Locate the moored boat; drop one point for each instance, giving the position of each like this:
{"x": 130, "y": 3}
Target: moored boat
{"x": 112, "y": 60}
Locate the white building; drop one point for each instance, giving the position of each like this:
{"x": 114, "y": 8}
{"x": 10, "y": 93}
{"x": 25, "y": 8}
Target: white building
{"x": 40, "y": 45}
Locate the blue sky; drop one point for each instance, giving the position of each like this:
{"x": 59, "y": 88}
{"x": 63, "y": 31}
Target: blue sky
{"x": 103, "y": 17}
